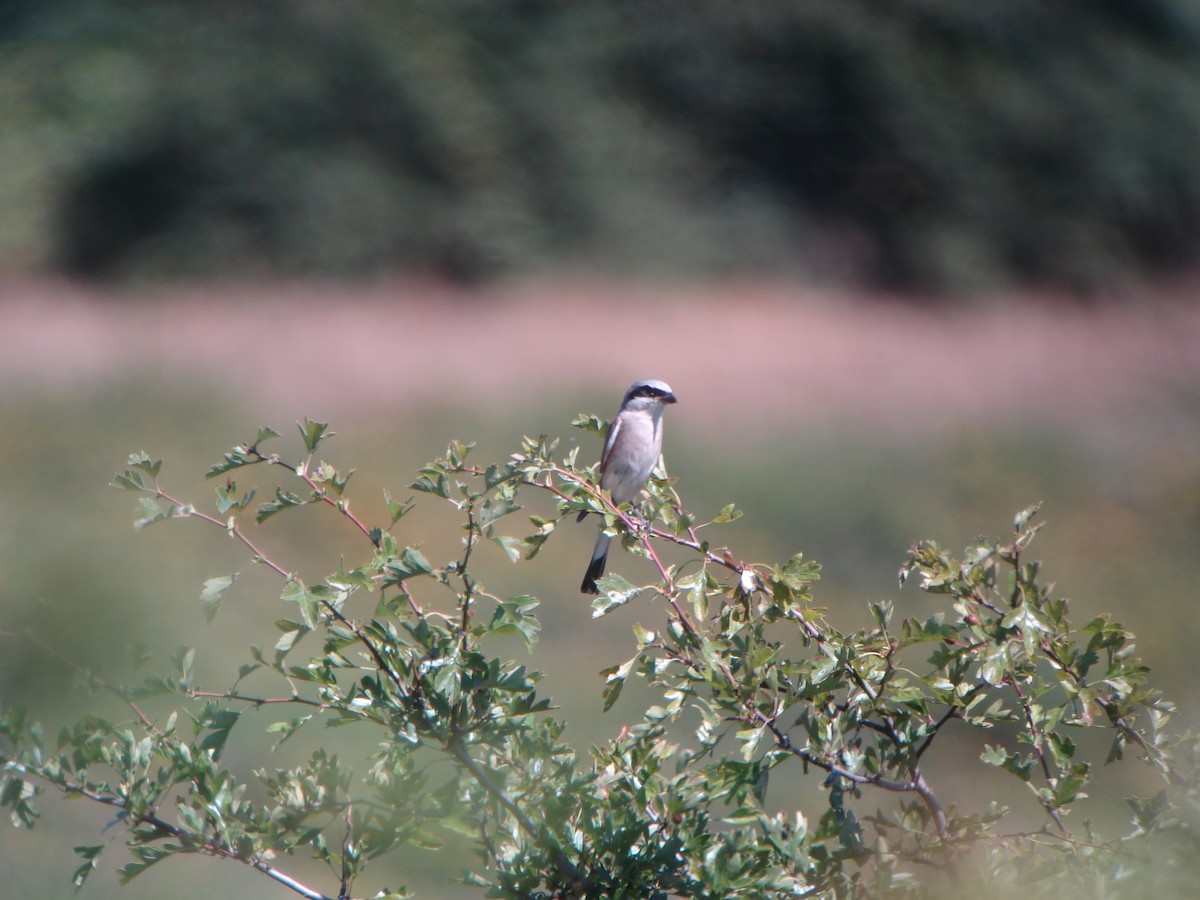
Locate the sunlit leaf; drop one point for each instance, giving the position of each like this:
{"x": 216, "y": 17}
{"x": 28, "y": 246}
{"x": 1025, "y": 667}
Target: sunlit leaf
{"x": 215, "y": 591}
{"x": 313, "y": 433}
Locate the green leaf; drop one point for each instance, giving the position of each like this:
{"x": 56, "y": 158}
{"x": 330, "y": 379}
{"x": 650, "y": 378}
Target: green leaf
{"x": 313, "y": 433}
{"x": 460, "y": 826}
{"x": 590, "y": 423}
{"x": 933, "y": 629}
{"x": 184, "y": 658}
{"x": 156, "y": 686}
{"x": 292, "y": 632}
{"x": 515, "y": 616}
{"x": 694, "y": 586}
{"x": 327, "y": 474}
{"x": 287, "y": 729}
{"x": 240, "y": 456}
{"x": 614, "y": 681}
{"x": 994, "y": 756}
{"x": 750, "y": 738}
{"x": 140, "y": 476}
{"x": 496, "y": 508}
{"x": 1022, "y": 518}
{"x": 283, "y": 500}
{"x": 227, "y": 498}
{"x": 456, "y": 452}
{"x": 219, "y": 727}
{"x": 746, "y": 815}
{"x": 1062, "y": 748}
{"x": 432, "y": 481}
{"x": 131, "y": 481}
{"x": 425, "y": 840}
{"x": 494, "y": 475}
{"x": 728, "y": 513}
{"x": 1025, "y": 617}
{"x": 18, "y": 794}
{"x": 410, "y": 564}
{"x": 644, "y": 636}
{"x": 1148, "y": 812}
{"x": 796, "y": 572}
{"x": 533, "y": 543}
{"x": 145, "y": 855}
{"x": 615, "y": 591}
{"x": 309, "y": 603}
{"x": 510, "y": 545}
{"x": 152, "y": 511}
{"x": 265, "y": 433}
{"x": 448, "y": 681}
{"x": 90, "y": 854}
{"x": 996, "y": 666}
{"x": 215, "y": 591}
{"x": 143, "y": 463}
{"x": 397, "y": 510}
{"x": 1068, "y": 788}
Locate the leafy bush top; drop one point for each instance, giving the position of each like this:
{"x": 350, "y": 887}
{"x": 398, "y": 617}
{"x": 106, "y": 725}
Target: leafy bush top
{"x": 752, "y": 685}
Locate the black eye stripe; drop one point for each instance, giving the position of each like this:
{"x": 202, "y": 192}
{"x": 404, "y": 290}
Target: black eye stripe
{"x": 648, "y": 392}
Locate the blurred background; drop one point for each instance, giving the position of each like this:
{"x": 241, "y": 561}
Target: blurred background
{"x": 910, "y": 267}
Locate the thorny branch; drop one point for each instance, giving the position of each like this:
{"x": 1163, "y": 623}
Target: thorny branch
{"x": 1039, "y": 747}
{"x": 570, "y": 487}
{"x": 319, "y": 491}
{"x": 453, "y": 746}
{"x": 916, "y": 784}
{"x": 645, "y": 533}
{"x": 212, "y": 847}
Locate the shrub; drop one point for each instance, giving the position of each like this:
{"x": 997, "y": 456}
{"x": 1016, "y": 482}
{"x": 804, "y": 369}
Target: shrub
{"x": 751, "y": 687}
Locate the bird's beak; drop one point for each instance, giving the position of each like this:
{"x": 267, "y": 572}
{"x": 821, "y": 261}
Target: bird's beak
{"x": 670, "y": 398}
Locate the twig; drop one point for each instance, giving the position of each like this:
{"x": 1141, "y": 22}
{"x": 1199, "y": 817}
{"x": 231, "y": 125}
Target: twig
{"x": 344, "y": 886}
{"x": 1155, "y": 756}
{"x": 928, "y": 742}
{"x": 1040, "y": 749}
{"x": 467, "y": 596}
{"x": 261, "y": 701}
{"x": 186, "y": 509}
{"x": 917, "y": 784}
{"x": 568, "y": 868}
{"x": 213, "y": 847}
{"x": 233, "y": 529}
{"x": 643, "y": 533}
{"x": 340, "y": 505}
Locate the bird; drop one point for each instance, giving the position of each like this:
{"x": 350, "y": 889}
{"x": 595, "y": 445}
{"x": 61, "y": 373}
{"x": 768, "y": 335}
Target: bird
{"x": 631, "y": 450}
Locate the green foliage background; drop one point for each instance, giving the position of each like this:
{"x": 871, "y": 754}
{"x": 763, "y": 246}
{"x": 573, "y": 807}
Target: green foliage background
{"x": 909, "y": 143}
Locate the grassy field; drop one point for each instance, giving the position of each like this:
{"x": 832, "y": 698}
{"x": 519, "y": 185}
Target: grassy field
{"x": 844, "y": 427}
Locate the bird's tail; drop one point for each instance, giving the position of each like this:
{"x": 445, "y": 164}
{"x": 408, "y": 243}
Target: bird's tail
{"x": 596, "y": 566}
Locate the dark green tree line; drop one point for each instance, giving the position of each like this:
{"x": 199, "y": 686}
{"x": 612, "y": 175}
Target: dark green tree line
{"x": 913, "y": 144}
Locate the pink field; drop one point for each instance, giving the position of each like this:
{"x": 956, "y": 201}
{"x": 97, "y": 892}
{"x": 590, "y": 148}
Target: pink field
{"x": 795, "y": 355}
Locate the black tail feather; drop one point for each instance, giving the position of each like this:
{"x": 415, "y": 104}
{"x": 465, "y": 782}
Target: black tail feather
{"x": 595, "y": 570}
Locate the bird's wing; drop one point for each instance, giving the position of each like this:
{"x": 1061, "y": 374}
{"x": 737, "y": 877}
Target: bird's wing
{"x": 614, "y": 427}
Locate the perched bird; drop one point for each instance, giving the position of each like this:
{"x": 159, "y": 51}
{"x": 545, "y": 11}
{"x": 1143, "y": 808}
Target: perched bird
{"x": 631, "y": 450}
